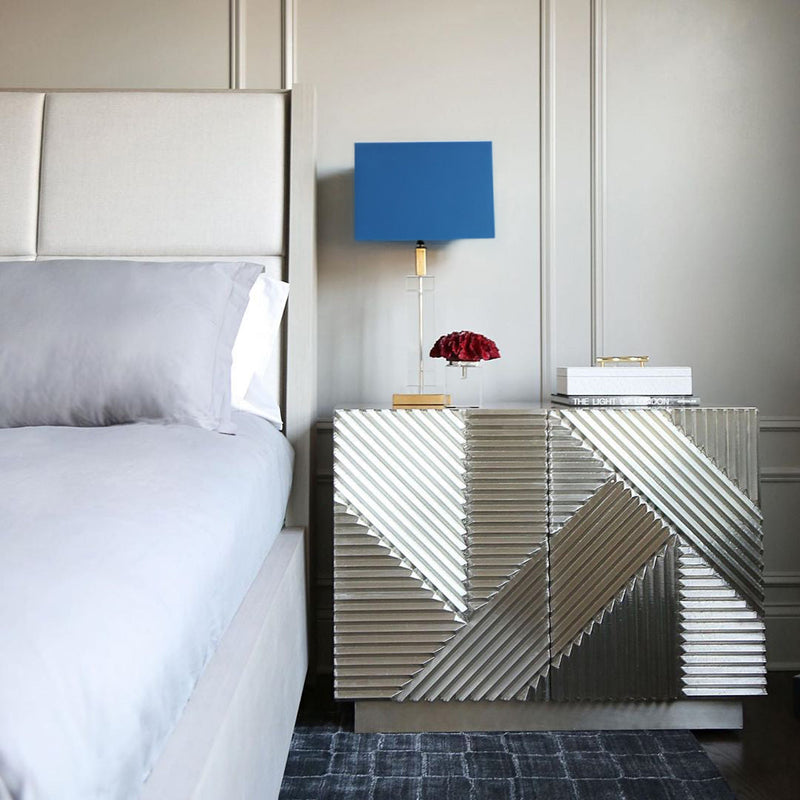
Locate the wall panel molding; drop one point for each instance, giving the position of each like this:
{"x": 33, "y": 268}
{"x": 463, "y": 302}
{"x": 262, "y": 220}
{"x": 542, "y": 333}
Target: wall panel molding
{"x": 598, "y": 174}
{"x": 288, "y": 50}
{"x": 236, "y": 47}
{"x": 780, "y": 474}
{"x": 547, "y": 158}
{"x": 781, "y": 579}
{"x": 779, "y": 424}
{"x": 782, "y": 608}
{"x": 782, "y": 594}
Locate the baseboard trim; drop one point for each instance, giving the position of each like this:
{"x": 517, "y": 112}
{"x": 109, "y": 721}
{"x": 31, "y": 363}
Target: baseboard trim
{"x": 386, "y": 716}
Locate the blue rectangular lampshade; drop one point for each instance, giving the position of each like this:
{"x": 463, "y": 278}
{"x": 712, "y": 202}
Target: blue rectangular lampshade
{"x": 434, "y": 191}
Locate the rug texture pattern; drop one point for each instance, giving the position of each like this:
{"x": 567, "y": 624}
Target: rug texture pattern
{"x": 328, "y": 763}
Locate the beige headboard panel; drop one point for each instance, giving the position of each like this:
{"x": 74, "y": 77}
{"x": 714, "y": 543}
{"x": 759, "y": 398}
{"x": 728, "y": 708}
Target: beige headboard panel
{"x": 147, "y": 173}
{"x": 20, "y": 146}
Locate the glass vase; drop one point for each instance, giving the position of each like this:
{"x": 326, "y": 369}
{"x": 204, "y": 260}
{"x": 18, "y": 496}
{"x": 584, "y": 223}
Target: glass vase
{"x": 464, "y": 382}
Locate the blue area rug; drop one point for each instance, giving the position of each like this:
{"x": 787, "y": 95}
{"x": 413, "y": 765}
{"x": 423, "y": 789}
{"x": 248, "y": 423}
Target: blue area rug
{"x": 329, "y": 763}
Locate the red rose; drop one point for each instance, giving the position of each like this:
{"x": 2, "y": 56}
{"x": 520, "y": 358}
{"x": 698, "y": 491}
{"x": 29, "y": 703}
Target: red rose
{"x": 465, "y": 346}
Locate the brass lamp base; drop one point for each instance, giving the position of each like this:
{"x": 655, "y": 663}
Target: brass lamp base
{"x": 420, "y": 400}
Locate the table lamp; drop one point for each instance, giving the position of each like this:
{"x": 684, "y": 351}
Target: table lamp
{"x": 418, "y": 191}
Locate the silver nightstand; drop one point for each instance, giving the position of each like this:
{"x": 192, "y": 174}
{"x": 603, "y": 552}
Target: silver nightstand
{"x": 506, "y": 566}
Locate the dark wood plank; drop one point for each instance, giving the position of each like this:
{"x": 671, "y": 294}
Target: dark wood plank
{"x": 762, "y": 761}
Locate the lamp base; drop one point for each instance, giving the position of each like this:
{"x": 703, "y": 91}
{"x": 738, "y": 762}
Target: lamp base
{"x": 420, "y": 400}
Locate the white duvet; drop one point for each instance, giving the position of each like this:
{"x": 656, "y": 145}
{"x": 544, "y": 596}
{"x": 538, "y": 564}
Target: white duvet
{"x": 124, "y": 554}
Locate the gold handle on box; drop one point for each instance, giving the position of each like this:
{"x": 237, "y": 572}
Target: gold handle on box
{"x": 640, "y": 360}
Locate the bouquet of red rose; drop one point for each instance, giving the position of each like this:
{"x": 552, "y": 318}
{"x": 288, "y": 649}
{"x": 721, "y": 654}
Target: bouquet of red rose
{"x": 465, "y": 346}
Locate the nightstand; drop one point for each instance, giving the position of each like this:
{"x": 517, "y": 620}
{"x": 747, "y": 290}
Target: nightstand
{"x": 506, "y": 566}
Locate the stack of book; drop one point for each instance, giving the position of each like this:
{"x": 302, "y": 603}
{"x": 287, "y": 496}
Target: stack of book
{"x": 624, "y": 386}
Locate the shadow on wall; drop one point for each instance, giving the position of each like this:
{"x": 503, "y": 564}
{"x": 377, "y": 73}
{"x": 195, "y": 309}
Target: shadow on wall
{"x": 361, "y": 310}
{"x": 335, "y": 209}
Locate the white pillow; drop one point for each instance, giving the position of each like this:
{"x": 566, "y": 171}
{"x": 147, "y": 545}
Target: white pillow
{"x": 256, "y": 348}
{"x": 104, "y": 342}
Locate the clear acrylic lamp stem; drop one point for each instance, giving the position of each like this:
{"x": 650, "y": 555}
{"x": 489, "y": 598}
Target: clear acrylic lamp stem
{"x": 422, "y": 370}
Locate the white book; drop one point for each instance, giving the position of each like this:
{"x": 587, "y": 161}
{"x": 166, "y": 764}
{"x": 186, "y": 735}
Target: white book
{"x": 611, "y": 381}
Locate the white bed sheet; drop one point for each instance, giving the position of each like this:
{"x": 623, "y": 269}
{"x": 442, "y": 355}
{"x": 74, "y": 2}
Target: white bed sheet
{"x": 124, "y": 554}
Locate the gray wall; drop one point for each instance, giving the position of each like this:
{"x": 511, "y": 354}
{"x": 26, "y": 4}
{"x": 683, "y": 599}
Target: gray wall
{"x": 647, "y": 189}
{"x": 140, "y": 44}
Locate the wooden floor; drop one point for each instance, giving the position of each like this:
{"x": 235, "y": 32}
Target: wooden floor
{"x": 762, "y": 761}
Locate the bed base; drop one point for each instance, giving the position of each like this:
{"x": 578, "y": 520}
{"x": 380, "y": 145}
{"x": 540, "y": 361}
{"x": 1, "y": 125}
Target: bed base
{"x": 233, "y": 737}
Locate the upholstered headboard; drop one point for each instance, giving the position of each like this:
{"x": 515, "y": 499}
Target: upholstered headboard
{"x": 174, "y": 175}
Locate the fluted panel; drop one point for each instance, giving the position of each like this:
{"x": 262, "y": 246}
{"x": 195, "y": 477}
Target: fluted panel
{"x": 387, "y": 622}
{"x": 501, "y": 653}
{"x": 722, "y": 640}
{"x": 403, "y": 472}
{"x": 571, "y": 554}
{"x": 633, "y": 654}
{"x": 594, "y": 557}
{"x": 729, "y": 437}
{"x": 577, "y": 471}
{"x": 685, "y": 486}
{"x": 507, "y": 496}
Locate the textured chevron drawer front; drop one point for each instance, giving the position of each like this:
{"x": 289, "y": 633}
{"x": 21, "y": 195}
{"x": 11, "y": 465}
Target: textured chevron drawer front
{"x": 547, "y": 555}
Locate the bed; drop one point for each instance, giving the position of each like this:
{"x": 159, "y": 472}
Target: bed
{"x": 153, "y": 607}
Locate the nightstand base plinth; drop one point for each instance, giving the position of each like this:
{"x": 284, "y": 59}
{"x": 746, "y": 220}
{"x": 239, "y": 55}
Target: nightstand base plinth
{"x": 387, "y": 716}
